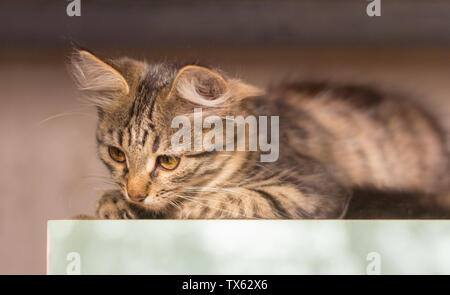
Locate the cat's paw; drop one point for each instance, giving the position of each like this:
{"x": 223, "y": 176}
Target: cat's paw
{"x": 112, "y": 205}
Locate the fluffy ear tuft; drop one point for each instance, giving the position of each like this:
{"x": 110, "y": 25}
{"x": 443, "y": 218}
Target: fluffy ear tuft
{"x": 201, "y": 85}
{"x": 100, "y": 80}
{"x": 206, "y": 87}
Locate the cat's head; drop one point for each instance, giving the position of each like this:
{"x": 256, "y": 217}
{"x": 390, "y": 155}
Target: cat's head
{"x": 136, "y": 103}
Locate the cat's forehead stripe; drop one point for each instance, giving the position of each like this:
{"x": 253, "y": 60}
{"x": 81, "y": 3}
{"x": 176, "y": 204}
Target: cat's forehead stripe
{"x": 156, "y": 79}
{"x": 155, "y": 144}
{"x": 129, "y": 135}
{"x": 141, "y": 112}
{"x": 120, "y": 137}
{"x": 144, "y": 137}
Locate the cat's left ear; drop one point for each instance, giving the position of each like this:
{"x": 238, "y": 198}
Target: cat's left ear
{"x": 207, "y": 87}
{"x": 99, "y": 79}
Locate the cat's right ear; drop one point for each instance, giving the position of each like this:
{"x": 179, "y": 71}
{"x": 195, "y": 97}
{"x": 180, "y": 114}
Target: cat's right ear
{"x": 99, "y": 80}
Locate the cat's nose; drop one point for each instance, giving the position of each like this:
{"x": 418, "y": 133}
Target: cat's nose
{"x": 137, "y": 190}
{"x": 137, "y": 198}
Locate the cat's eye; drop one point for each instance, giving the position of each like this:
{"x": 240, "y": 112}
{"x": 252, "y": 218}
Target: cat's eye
{"x": 116, "y": 154}
{"x": 168, "y": 162}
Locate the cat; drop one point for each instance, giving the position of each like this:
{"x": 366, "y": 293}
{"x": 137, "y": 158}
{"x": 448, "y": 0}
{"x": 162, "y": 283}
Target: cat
{"x": 334, "y": 139}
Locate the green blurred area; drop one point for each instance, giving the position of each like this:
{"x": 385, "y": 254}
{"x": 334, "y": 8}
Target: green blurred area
{"x": 249, "y": 247}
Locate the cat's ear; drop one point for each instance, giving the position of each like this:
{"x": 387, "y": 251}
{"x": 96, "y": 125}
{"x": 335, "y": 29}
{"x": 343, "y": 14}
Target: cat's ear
{"x": 97, "y": 78}
{"x": 206, "y": 87}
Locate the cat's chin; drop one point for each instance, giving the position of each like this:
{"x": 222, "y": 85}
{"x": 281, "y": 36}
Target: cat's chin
{"x": 153, "y": 205}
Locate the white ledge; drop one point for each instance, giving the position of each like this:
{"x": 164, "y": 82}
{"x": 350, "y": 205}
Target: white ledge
{"x": 248, "y": 247}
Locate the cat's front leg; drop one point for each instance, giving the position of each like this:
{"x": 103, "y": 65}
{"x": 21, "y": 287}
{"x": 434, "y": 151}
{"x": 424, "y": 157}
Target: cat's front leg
{"x": 267, "y": 202}
{"x": 113, "y": 205}
{"x": 310, "y": 196}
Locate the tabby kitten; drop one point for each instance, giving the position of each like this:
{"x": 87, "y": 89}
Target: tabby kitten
{"x": 334, "y": 139}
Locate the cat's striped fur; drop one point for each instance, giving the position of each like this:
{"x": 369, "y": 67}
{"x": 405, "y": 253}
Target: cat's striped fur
{"x": 333, "y": 139}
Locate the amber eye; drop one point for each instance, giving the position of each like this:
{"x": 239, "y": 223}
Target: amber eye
{"x": 116, "y": 154}
{"x": 168, "y": 162}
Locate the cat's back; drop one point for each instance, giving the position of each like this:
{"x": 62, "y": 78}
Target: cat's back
{"x": 375, "y": 138}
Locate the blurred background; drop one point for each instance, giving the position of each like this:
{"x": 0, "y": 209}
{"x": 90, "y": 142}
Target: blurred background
{"x": 50, "y": 169}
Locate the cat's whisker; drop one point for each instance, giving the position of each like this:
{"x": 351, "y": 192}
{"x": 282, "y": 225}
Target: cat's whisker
{"x": 65, "y": 114}
{"x": 217, "y": 189}
{"x": 225, "y": 155}
{"x": 215, "y": 196}
{"x": 96, "y": 177}
{"x": 100, "y": 180}
{"x": 210, "y": 199}
{"x": 103, "y": 180}
{"x": 179, "y": 207}
{"x": 99, "y": 189}
{"x": 193, "y": 199}
{"x": 175, "y": 205}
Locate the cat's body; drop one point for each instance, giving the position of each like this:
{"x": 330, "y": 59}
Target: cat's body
{"x": 333, "y": 140}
